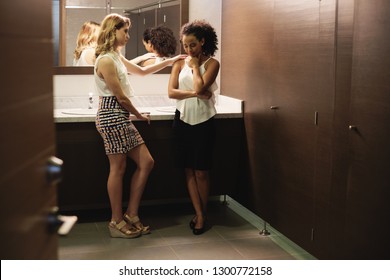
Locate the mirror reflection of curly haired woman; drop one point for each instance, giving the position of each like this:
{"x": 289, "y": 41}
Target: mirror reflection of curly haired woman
{"x": 161, "y": 42}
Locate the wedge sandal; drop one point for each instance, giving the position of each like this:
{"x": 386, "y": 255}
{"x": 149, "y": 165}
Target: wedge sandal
{"x": 123, "y": 230}
{"x": 135, "y": 222}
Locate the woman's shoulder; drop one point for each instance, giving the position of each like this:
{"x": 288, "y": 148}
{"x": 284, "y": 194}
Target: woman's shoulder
{"x": 211, "y": 61}
{"x": 105, "y": 59}
{"x": 108, "y": 56}
{"x": 89, "y": 50}
{"x": 179, "y": 64}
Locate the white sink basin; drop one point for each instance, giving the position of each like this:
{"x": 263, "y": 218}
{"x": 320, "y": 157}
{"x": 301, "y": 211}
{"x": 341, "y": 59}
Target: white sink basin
{"x": 80, "y": 111}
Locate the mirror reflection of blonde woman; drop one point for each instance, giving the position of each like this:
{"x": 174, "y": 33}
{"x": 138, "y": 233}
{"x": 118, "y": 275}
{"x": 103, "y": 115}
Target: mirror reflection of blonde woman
{"x": 84, "y": 54}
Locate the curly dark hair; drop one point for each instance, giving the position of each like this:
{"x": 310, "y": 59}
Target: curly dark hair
{"x": 202, "y": 29}
{"x": 162, "y": 40}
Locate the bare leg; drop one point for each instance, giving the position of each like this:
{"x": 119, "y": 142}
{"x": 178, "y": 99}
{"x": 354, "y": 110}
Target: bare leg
{"x": 115, "y": 184}
{"x": 144, "y": 161}
{"x": 197, "y": 184}
{"x": 203, "y": 183}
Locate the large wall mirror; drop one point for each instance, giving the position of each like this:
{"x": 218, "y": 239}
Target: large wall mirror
{"x": 69, "y": 15}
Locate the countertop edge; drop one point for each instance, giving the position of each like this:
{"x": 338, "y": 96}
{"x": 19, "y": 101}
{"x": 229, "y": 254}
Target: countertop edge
{"x": 77, "y": 119}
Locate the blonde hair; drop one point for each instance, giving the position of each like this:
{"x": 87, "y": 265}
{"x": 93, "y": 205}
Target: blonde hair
{"x": 87, "y": 37}
{"x": 106, "y": 39}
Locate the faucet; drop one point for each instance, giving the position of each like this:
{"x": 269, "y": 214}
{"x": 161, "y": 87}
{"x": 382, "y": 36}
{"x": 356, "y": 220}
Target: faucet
{"x": 90, "y": 104}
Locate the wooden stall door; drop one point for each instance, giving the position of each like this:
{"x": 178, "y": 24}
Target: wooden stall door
{"x": 27, "y": 131}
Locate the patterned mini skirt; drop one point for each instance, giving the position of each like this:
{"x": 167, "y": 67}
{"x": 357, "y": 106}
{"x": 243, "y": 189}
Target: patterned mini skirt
{"x": 118, "y": 132}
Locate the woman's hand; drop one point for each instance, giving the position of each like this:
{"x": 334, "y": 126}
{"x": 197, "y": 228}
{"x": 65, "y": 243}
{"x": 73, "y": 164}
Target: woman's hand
{"x": 205, "y": 95}
{"x": 144, "y": 117}
{"x": 192, "y": 62}
{"x": 172, "y": 60}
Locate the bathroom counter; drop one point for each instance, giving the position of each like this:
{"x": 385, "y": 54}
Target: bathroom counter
{"x": 226, "y": 108}
{"x": 85, "y": 172}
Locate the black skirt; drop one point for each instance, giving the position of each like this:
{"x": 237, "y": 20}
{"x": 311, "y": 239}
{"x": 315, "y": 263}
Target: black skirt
{"x": 193, "y": 144}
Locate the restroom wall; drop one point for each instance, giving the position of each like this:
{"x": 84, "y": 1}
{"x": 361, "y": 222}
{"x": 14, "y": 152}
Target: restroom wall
{"x": 74, "y": 89}
{"x": 308, "y": 71}
{"x": 27, "y": 131}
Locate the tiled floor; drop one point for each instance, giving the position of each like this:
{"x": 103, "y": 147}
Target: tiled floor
{"x": 233, "y": 234}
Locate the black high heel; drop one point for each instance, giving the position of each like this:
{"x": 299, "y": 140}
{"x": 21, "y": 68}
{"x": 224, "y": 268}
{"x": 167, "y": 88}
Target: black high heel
{"x": 198, "y": 231}
{"x": 193, "y": 222}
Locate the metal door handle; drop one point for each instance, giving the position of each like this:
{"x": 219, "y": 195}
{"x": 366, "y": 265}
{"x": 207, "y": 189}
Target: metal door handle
{"x": 59, "y": 223}
{"x": 67, "y": 224}
{"x": 352, "y": 127}
{"x": 54, "y": 170}
{"x": 274, "y": 107}
{"x": 52, "y": 220}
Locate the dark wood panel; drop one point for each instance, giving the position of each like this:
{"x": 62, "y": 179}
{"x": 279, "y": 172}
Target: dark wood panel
{"x": 27, "y": 131}
{"x": 368, "y": 189}
{"x": 247, "y": 74}
{"x": 283, "y": 56}
{"x": 168, "y": 16}
{"x": 340, "y": 134}
{"x": 86, "y": 166}
{"x": 296, "y": 27}
{"x": 26, "y": 128}
{"x": 145, "y": 20}
{"x": 30, "y": 215}
{"x": 28, "y": 20}
{"x": 322, "y": 232}
{"x": 246, "y": 64}
{"x": 135, "y": 36}
{"x": 24, "y": 82}
{"x": 329, "y": 58}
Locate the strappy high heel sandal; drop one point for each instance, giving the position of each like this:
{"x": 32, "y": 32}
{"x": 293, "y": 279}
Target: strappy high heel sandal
{"x": 123, "y": 230}
{"x": 135, "y": 222}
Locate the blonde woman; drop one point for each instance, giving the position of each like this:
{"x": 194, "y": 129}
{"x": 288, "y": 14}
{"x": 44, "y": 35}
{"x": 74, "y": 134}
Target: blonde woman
{"x": 84, "y": 54}
{"x": 121, "y": 138}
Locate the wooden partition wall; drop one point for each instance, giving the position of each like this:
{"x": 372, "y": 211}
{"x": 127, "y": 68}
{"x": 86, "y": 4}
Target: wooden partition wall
{"x": 313, "y": 78}
{"x": 27, "y": 196}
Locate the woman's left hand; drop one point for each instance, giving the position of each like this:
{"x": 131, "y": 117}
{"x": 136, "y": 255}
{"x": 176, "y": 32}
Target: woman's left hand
{"x": 144, "y": 117}
{"x": 176, "y": 58}
{"x": 205, "y": 95}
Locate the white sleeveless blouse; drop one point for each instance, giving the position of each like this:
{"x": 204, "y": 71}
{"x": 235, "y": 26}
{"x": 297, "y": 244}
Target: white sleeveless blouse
{"x": 194, "y": 110}
{"x": 100, "y": 84}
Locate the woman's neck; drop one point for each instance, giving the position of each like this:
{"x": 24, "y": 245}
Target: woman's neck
{"x": 202, "y": 59}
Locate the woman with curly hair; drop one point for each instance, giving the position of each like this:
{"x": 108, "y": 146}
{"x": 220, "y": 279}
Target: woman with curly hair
{"x": 84, "y": 54}
{"x": 192, "y": 84}
{"x": 160, "y": 41}
{"x": 121, "y": 138}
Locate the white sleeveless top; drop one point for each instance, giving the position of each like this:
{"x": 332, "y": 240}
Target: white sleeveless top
{"x": 100, "y": 84}
{"x": 194, "y": 110}
{"x": 81, "y": 61}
